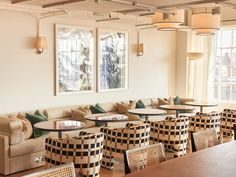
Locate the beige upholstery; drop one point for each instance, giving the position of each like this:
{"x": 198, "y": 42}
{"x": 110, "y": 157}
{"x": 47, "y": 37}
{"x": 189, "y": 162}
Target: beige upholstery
{"x": 18, "y": 154}
{"x": 4, "y": 160}
{"x": 60, "y": 112}
{"x": 79, "y": 115}
{"x": 30, "y": 146}
{"x": 13, "y": 129}
{"x": 109, "y": 107}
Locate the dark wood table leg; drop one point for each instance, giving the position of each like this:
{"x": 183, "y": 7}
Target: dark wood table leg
{"x": 177, "y": 113}
{"x": 60, "y": 134}
{"x": 201, "y": 109}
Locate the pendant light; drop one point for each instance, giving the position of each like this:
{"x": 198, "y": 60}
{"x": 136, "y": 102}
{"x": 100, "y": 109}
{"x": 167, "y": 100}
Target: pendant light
{"x": 206, "y": 23}
{"x": 168, "y": 21}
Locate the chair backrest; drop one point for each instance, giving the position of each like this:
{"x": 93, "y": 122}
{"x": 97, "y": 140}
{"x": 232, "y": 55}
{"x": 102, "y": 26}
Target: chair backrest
{"x": 66, "y": 170}
{"x": 204, "y": 139}
{"x": 132, "y": 136}
{"x": 205, "y": 121}
{"x": 171, "y": 129}
{"x": 85, "y": 152}
{"x": 172, "y": 132}
{"x": 139, "y": 158}
{"x": 228, "y": 119}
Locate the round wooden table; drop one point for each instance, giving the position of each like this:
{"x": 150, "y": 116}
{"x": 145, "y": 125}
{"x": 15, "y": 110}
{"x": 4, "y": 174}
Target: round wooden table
{"x": 60, "y": 126}
{"x": 201, "y": 104}
{"x": 105, "y": 118}
{"x": 177, "y": 108}
{"x": 146, "y": 112}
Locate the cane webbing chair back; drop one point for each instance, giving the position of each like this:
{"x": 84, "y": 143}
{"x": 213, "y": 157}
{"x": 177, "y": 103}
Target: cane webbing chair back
{"x": 66, "y": 170}
{"x": 142, "y": 157}
{"x": 85, "y": 152}
{"x": 205, "y": 121}
{"x": 228, "y": 119}
{"x": 120, "y": 139}
{"x": 204, "y": 139}
{"x": 172, "y": 133}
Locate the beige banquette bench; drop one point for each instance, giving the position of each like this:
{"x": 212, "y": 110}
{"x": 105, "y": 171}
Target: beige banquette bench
{"x": 18, "y": 154}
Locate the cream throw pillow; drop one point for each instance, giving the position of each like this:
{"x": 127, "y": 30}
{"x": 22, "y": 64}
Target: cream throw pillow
{"x": 78, "y": 114}
{"x": 27, "y": 127}
{"x": 170, "y": 101}
{"x": 122, "y": 108}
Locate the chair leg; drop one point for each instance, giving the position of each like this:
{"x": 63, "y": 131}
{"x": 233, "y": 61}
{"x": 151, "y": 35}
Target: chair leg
{"x": 107, "y": 159}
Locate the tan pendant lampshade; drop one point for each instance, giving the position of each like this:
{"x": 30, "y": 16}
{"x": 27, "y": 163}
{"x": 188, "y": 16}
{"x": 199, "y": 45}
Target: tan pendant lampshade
{"x": 195, "y": 55}
{"x": 205, "y": 23}
{"x": 168, "y": 20}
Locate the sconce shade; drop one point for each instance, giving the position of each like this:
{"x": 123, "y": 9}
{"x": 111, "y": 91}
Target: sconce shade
{"x": 195, "y": 55}
{"x": 41, "y": 42}
{"x": 168, "y": 20}
{"x": 140, "y": 49}
{"x": 205, "y": 23}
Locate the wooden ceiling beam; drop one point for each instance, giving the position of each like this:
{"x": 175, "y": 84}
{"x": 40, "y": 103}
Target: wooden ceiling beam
{"x": 19, "y": 1}
{"x": 190, "y": 4}
{"x": 61, "y": 3}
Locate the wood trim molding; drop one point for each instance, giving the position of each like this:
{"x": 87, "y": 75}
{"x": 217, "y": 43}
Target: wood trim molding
{"x": 19, "y": 1}
{"x": 190, "y": 3}
{"x": 61, "y": 3}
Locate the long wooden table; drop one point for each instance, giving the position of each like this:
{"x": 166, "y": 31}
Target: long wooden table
{"x": 217, "y": 161}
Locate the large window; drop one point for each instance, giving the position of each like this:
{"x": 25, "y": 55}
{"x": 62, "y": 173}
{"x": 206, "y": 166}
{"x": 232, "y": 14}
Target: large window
{"x": 223, "y": 67}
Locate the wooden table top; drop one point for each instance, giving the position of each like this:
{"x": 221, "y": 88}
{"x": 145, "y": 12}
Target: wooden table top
{"x": 147, "y": 111}
{"x": 177, "y": 107}
{"x": 107, "y": 117}
{"x": 60, "y": 125}
{"x": 203, "y": 104}
{"x": 217, "y": 161}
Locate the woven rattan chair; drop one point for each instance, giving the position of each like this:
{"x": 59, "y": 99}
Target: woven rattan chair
{"x": 228, "y": 119}
{"x": 120, "y": 139}
{"x": 172, "y": 133}
{"x": 66, "y": 170}
{"x": 85, "y": 152}
{"x": 204, "y": 121}
{"x": 142, "y": 157}
{"x": 204, "y": 139}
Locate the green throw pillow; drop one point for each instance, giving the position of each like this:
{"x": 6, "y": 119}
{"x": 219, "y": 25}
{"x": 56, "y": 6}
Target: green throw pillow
{"x": 38, "y": 113}
{"x": 99, "y": 106}
{"x": 140, "y": 104}
{"x": 97, "y": 109}
{"x": 36, "y": 119}
{"x": 177, "y": 100}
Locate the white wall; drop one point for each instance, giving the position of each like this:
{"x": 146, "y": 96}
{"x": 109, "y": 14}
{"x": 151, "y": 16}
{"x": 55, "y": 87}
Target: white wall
{"x": 181, "y": 64}
{"x": 27, "y": 79}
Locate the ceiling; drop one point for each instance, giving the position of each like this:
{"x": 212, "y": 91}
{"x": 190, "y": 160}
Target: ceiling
{"x": 102, "y": 8}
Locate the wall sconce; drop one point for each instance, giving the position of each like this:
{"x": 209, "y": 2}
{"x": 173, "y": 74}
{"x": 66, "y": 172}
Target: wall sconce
{"x": 41, "y": 43}
{"x": 140, "y": 49}
{"x": 195, "y": 55}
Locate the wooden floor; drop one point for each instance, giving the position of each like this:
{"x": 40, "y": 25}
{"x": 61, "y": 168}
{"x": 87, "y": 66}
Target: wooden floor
{"x": 117, "y": 171}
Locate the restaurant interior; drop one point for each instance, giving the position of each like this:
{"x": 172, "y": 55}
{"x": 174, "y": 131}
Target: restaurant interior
{"x": 118, "y": 88}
